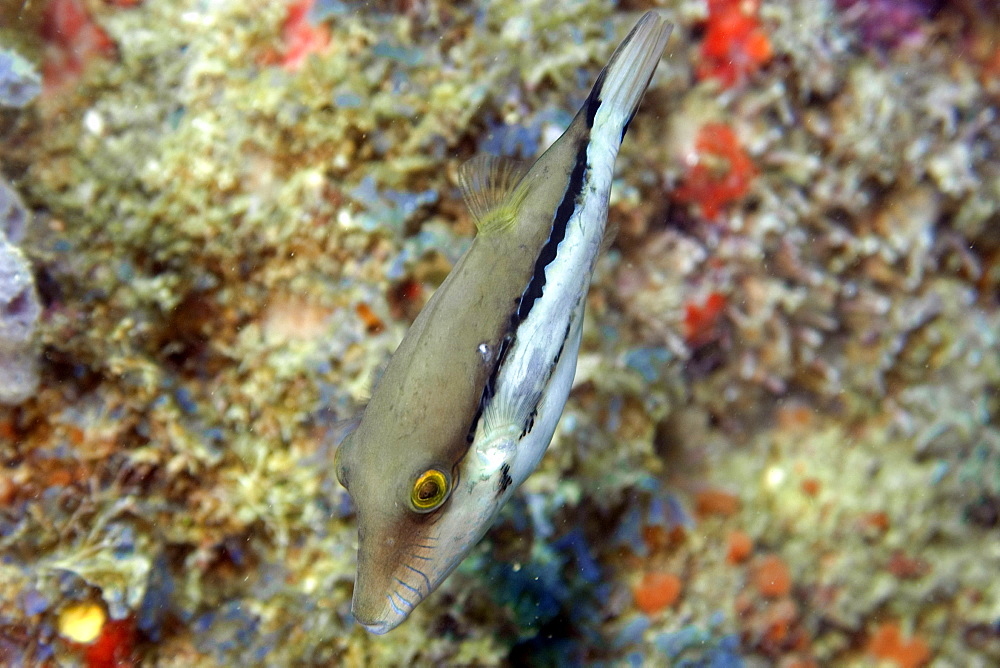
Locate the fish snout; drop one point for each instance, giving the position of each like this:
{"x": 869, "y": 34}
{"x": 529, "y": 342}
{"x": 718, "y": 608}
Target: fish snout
{"x": 378, "y": 615}
{"x": 377, "y": 628}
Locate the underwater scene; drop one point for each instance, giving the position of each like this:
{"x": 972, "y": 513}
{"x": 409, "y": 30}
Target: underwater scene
{"x": 773, "y": 439}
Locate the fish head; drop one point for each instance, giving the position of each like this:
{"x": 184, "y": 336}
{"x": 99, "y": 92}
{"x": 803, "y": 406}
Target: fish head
{"x": 418, "y": 521}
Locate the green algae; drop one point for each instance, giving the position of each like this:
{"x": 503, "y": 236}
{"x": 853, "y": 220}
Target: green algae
{"x": 212, "y": 222}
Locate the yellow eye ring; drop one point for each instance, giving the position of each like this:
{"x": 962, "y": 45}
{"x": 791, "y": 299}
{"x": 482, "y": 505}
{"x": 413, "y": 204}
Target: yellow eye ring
{"x": 429, "y": 491}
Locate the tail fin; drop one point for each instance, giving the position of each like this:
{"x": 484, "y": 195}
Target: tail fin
{"x": 621, "y": 85}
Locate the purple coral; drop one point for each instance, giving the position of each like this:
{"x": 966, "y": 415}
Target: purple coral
{"x": 14, "y": 216}
{"x": 886, "y": 24}
{"x": 19, "y": 313}
{"x": 19, "y": 307}
{"x": 19, "y": 82}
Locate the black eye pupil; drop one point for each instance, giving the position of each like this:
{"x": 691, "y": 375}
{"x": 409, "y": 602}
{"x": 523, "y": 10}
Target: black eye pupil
{"x": 428, "y": 490}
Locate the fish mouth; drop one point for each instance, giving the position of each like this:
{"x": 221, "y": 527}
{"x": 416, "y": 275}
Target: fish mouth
{"x": 395, "y": 575}
{"x": 378, "y": 628}
{"x": 390, "y": 615}
{"x": 384, "y": 600}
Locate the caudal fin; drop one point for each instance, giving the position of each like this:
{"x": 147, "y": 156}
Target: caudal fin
{"x": 621, "y": 85}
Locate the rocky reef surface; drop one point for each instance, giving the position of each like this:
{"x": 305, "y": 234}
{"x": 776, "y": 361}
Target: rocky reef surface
{"x": 782, "y": 446}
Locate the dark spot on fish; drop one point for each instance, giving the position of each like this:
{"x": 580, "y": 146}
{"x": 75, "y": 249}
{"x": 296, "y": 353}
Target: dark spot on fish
{"x": 505, "y": 479}
{"x": 530, "y": 424}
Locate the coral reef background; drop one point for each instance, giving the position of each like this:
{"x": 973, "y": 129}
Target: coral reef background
{"x": 782, "y": 447}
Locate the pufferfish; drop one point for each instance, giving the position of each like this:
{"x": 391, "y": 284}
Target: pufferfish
{"x": 469, "y": 401}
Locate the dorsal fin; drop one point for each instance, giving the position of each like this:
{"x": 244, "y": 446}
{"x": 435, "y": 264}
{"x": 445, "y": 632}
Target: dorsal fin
{"x": 489, "y": 185}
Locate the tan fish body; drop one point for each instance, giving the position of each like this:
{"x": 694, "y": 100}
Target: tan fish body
{"x": 470, "y": 399}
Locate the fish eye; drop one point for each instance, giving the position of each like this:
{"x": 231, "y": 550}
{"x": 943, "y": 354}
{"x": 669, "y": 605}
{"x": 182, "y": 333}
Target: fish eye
{"x": 429, "y": 491}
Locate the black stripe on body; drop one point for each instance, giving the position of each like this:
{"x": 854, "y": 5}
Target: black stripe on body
{"x": 564, "y": 212}
{"x": 471, "y": 436}
{"x": 594, "y": 99}
{"x": 536, "y": 285}
{"x": 547, "y": 255}
{"x": 563, "y": 344}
